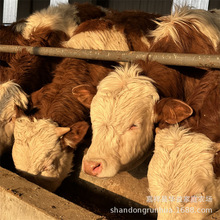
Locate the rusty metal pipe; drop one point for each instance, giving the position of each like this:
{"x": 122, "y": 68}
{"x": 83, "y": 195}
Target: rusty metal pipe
{"x": 179, "y": 59}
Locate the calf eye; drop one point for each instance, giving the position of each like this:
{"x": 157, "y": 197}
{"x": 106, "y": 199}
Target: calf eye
{"x": 48, "y": 168}
{"x": 197, "y": 197}
{"x": 133, "y": 126}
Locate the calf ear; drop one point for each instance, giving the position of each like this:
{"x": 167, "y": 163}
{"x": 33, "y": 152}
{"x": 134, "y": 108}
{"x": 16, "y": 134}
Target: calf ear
{"x": 84, "y": 94}
{"x": 172, "y": 111}
{"x": 75, "y": 135}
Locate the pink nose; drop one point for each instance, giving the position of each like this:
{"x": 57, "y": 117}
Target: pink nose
{"x": 92, "y": 168}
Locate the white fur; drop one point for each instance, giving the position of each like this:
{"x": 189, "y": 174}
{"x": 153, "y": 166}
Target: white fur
{"x": 182, "y": 166}
{"x": 145, "y": 41}
{"x": 203, "y": 21}
{"x": 123, "y": 98}
{"x": 37, "y": 153}
{"x": 11, "y": 94}
{"x": 98, "y": 40}
{"x": 62, "y": 17}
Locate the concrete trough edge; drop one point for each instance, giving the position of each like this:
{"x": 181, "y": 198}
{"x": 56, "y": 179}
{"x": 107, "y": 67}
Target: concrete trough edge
{"x": 23, "y": 200}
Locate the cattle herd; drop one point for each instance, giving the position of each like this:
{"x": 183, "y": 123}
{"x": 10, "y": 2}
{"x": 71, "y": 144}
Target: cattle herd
{"x": 48, "y": 104}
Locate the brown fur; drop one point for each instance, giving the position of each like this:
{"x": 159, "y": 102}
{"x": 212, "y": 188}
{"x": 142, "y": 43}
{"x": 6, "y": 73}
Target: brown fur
{"x": 191, "y": 41}
{"x": 202, "y": 95}
{"x": 205, "y": 101}
{"x": 199, "y": 88}
{"x": 132, "y": 24}
{"x": 56, "y": 101}
{"x": 89, "y": 11}
{"x": 29, "y": 71}
{"x": 94, "y": 25}
{"x": 45, "y": 37}
{"x": 168, "y": 81}
{"x": 8, "y": 36}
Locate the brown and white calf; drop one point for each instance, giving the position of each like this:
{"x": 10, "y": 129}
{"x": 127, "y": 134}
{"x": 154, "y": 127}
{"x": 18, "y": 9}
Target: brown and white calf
{"x": 122, "y": 116}
{"x": 129, "y": 103}
{"x": 181, "y": 177}
{"x": 28, "y": 73}
{"x": 38, "y": 153}
{"x": 127, "y": 30}
{"x": 51, "y": 25}
{"x": 178, "y": 150}
{"x": 63, "y": 17}
{"x": 25, "y": 74}
{"x": 187, "y": 30}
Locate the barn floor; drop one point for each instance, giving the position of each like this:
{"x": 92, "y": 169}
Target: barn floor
{"x": 79, "y": 197}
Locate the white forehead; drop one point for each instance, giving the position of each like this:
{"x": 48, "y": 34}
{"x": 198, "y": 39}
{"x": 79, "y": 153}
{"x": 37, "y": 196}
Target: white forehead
{"x": 34, "y": 142}
{"x": 123, "y": 95}
{"x": 176, "y": 138}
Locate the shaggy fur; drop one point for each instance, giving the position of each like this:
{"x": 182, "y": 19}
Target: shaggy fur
{"x": 205, "y": 101}
{"x": 27, "y": 70}
{"x": 122, "y": 120}
{"x": 57, "y": 97}
{"x": 118, "y": 31}
{"x": 28, "y": 73}
{"x": 182, "y": 167}
{"x": 9, "y": 36}
{"x": 41, "y": 37}
{"x": 11, "y": 95}
{"x": 41, "y": 158}
{"x": 127, "y": 105}
{"x": 187, "y": 30}
{"x": 203, "y": 97}
{"x": 56, "y": 102}
{"x": 64, "y": 17}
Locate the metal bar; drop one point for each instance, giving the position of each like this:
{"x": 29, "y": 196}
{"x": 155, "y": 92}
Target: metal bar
{"x": 178, "y": 59}
{"x": 56, "y": 2}
{"x": 10, "y": 11}
{"x": 199, "y": 4}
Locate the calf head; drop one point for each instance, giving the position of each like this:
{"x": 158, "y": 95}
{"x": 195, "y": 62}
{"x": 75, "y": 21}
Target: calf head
{"x": 180, "y": 174}
{"x": 41, "y": 152}
{"x": 11, "y": 95}
{"x": 122, "y": 116}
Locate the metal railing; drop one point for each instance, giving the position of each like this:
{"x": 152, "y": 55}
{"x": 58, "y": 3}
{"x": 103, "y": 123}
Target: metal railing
{"x": 178, "y": 59}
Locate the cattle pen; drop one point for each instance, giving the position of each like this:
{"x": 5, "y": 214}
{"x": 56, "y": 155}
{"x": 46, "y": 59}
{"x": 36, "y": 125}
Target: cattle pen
{"x": 124, "y": 196}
